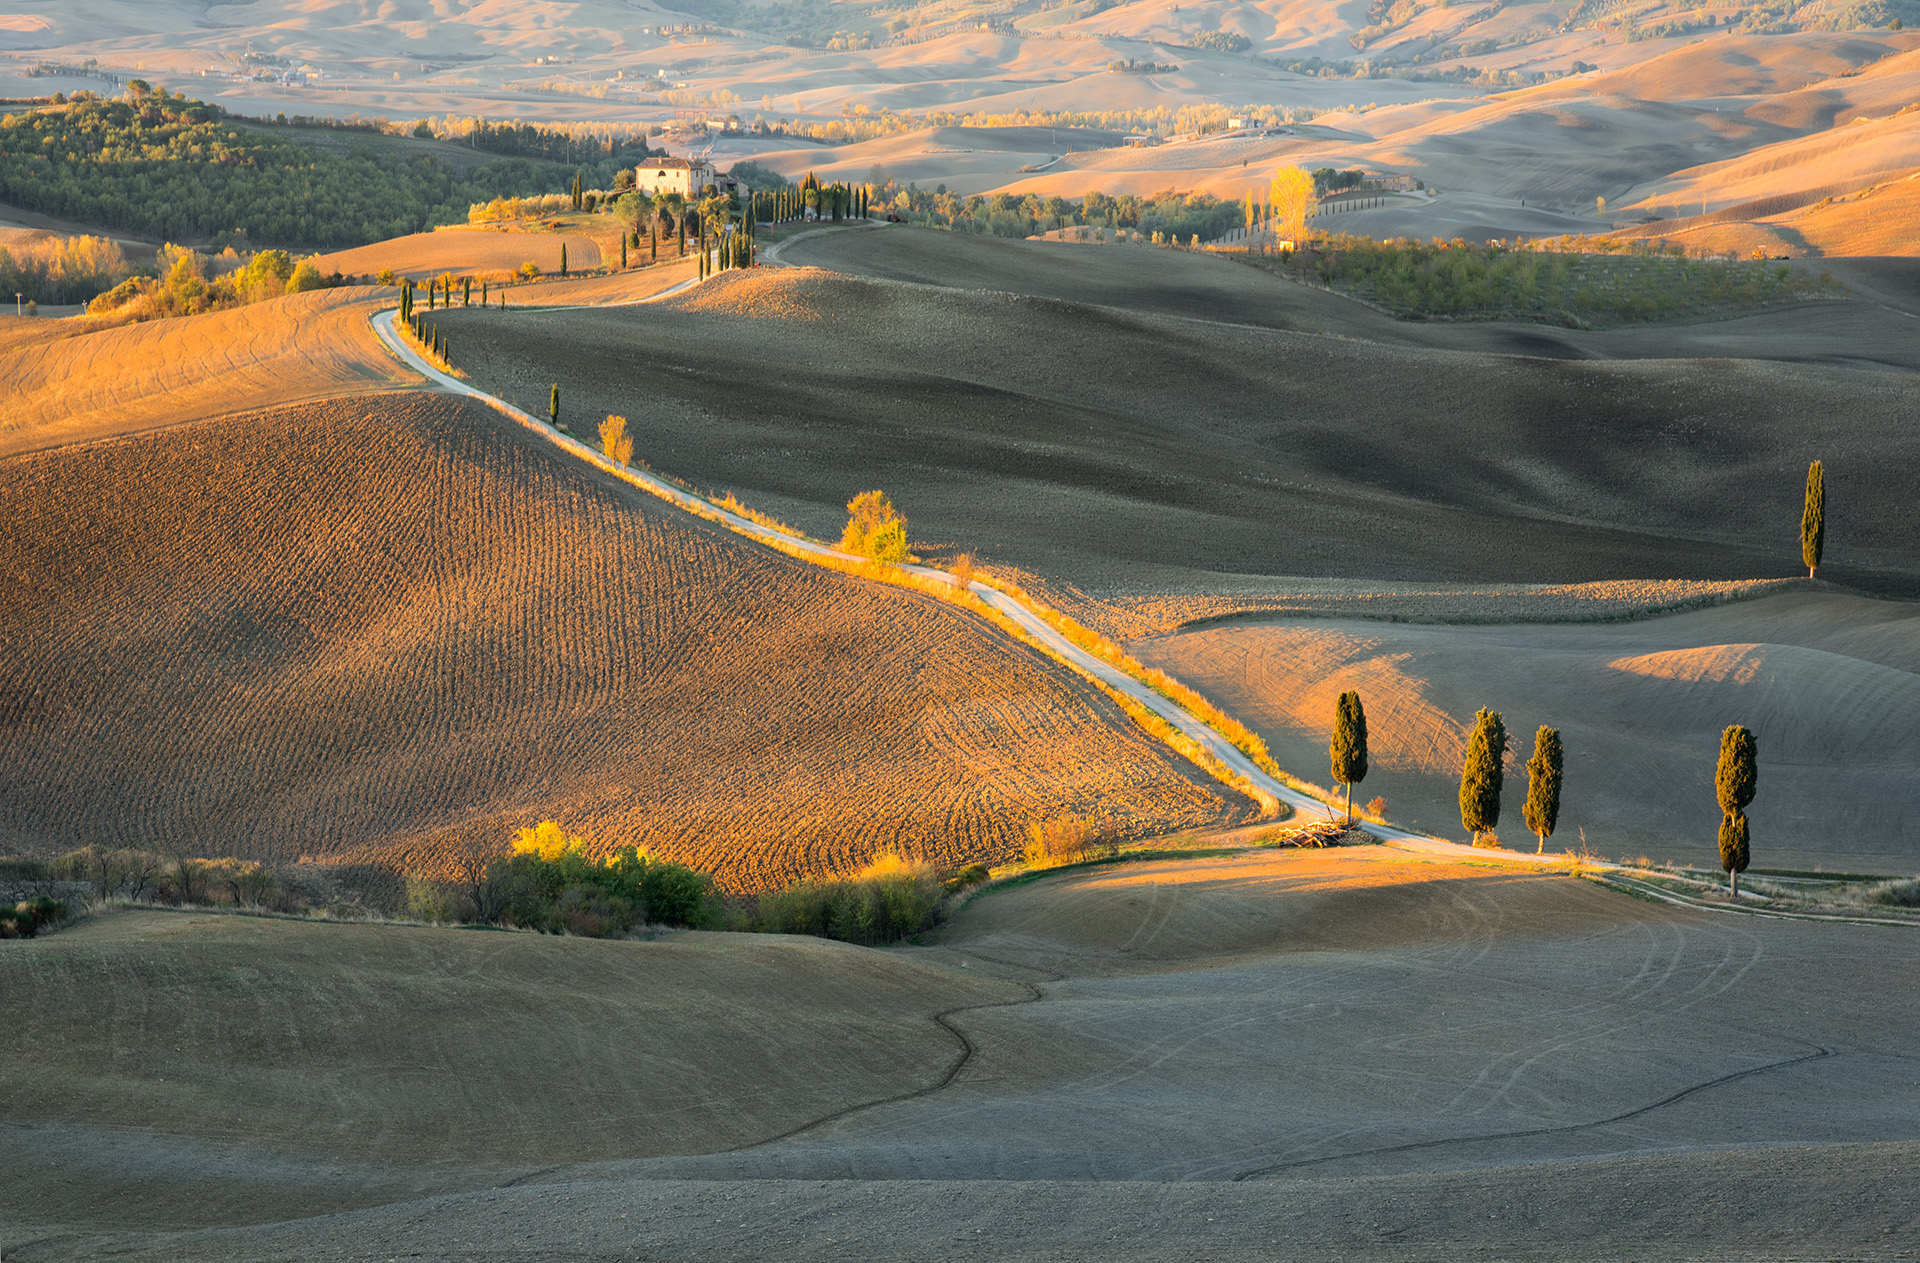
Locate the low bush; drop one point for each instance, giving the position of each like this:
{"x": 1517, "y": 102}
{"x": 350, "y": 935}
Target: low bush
{"x": 138, "y": 875}
{"x": 1904, "y": 893}
{"x": 1070, "y": 840}
{"x": 888, "y": 900}
{"x": 189, "y": 284}
{"x": 965, "y": 878}
{"x": 30, "y": 916}
{"x": 1570, "y": 281}
{"x": 549, "y": 884}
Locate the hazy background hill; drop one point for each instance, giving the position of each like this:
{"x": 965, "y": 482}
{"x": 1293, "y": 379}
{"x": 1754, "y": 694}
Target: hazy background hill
{"x": 1660, "y": 109}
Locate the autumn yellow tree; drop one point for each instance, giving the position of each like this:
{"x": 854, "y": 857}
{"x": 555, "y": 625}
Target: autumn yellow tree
{"x": 546, "y": 840}
{"x": 875, "y": 528}
{"x": 615, "y": 441}
{"x": 1290, "y": 196}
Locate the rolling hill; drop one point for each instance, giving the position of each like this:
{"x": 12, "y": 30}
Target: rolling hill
{"x": 1136, "y": 420}
{"x": 389, "y": 632}
{"x": 1827, "y": 682}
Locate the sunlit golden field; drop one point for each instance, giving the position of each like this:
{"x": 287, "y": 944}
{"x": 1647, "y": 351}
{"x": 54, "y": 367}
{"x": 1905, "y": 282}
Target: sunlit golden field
{"x": 390, "y": 632}
{"x": 72, "y": 380}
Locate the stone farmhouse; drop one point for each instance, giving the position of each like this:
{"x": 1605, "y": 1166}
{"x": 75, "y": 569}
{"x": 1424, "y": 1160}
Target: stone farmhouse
{"x": 685, "y": 176}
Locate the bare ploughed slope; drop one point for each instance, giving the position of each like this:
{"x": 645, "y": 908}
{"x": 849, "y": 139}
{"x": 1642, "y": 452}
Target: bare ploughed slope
{"x": 190, "y": 1070}
{"x": 1352, "y": 1054}
{"x": 1145, "y": 448}
{"x": 394, "y": 630}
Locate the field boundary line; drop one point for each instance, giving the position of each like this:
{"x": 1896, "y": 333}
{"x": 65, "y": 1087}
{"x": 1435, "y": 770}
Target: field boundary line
{"x": 1671, "y": 1098}
{"x": 960, "y": 1062}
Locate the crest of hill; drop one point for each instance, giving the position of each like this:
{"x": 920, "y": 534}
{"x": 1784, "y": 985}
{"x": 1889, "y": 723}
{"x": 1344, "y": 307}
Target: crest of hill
{"x": 72, "y": 380}
{"x": 465, "y": 252}
{"x": 391, "y": 631}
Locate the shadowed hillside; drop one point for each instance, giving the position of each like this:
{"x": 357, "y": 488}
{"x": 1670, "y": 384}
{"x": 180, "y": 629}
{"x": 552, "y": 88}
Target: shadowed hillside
{"x": 1129, "y": 449}
{"x": 393, "y": 631}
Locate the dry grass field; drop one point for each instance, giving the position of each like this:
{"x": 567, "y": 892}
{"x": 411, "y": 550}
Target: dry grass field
{"x": 71, "y": 381}
{"x": 1146, "y": 421}
{"x": 614, "y": 289}
{"x": 1353, "y": 1054}
{"x": 467, "y": 252}
{"x": 1829, "y": 683}
{"x": 1133, "y": 617}
{"x": 392, "y": 631}
{"x": 1881, "y": 221}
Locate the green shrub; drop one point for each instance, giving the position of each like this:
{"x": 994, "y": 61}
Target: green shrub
{"x": 961, "y": 879}
{"x": 30, "y": 916}
{"x": 888, "y": 900}
{"x": 549, "y": 884}
{"x": 1904, "y": 893}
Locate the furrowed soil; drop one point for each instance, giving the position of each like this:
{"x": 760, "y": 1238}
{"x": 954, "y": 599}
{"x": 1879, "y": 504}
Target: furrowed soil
{"x": 1345, "y": 1054}
{"x": 1136, "y": 420}
{"x": 390, "y": 632}
{"x": 72, "y": 380}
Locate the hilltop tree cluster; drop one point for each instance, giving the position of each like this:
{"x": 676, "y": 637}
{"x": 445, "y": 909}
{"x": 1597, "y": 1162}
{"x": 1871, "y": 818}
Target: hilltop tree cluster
{"x": 188, "y": 283}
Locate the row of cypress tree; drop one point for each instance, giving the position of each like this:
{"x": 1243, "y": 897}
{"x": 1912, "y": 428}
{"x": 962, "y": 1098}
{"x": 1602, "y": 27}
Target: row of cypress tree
{"x": 1480, "y": 777}
{"x": 1735, "y": 778}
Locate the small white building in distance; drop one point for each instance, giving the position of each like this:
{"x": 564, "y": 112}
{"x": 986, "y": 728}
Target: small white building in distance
{"x": 685, "y": 176}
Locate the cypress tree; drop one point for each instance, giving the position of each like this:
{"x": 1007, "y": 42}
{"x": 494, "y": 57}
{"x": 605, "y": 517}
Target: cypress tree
{"x": 1734, "y": 783}
{"x": 563, "y": 260}
{"x": 1480, "y": 778}
{"x": 1737, "y": 777}
{"x": 1733, "y": 848}
{"x": 1348, "y": 751}
{"x": 653, "y": 249}
{"x": 466, "y": 291}
{"x": 1813, "y": 518}
{"x": 430, "y": 288}
{"x": 483, "y": 293}
{"x": 553, "y": 406}
{"x": 1543, "y": 785}
{"x": 623, "y": 254}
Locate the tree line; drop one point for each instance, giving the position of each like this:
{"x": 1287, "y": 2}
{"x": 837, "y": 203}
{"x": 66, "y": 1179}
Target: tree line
{"x": 171, "y": 168}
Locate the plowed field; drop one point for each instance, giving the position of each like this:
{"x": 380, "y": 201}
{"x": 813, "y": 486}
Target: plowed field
{"x": 392, "y": 631}
{"x": 214, "y": 1044}
{"x": 1340, "y": 1055}
{"x": 68, "y": 381}
{"x": 1159, "y": 438}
